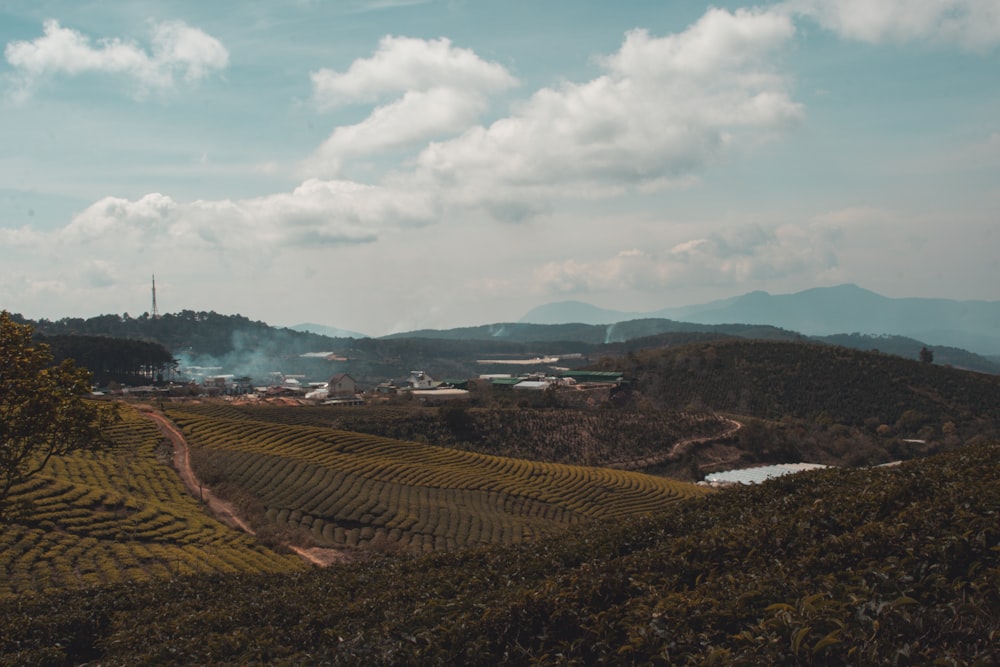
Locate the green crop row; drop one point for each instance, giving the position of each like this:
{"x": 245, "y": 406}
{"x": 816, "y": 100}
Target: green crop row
{"x": 575, "y": 436}
{"x": 349, "y": 488}
{"x": 878, "y": 566}
{"x": 118, "y": 515}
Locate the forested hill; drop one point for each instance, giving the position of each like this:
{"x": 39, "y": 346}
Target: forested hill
{"x": 596, "y": 334}
{"x": 773, "y": 379}
{"x": 123, "y": 360}
{"x": 240, "y": 345}
{"x": 204, "y": 333}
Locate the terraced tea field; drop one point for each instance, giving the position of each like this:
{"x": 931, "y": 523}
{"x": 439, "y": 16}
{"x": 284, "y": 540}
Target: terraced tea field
{"x": 344, "y": 489}
{"x": 118, "y": 515}
{"x": 608, "y": 438}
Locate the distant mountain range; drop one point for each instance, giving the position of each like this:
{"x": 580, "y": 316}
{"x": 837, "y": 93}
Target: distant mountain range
{"x": 324, "y": 330}
{"x": 823, "y": 311}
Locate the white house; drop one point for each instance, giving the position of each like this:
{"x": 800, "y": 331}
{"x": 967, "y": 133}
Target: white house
{"x": 421, "y": 380}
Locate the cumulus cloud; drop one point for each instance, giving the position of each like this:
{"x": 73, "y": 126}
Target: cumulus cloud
{"x": 415, "y": 117}
{"x": 435, "y": 90}
{"x": 970, "y": 24}
{"x": 743, "y": 255}
{"x": 176, "y": 49}
{"x": 316, "y": 213}
{"x": 665, "y": 108}
{"x": 402, "y": 64}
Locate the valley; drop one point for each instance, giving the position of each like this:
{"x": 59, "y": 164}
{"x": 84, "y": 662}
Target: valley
{"x": 510, "y": 529}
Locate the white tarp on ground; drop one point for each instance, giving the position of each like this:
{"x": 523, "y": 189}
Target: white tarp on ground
{"x": 758, "y": 475}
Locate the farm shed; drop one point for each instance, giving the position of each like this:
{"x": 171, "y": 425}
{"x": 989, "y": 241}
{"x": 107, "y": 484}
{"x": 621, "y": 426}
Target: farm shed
{"x": 505, "y": 383}
{"x": 532, "y": 385}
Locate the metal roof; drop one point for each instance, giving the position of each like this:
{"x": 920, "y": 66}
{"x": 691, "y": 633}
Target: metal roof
{"x": 609, "y": 376}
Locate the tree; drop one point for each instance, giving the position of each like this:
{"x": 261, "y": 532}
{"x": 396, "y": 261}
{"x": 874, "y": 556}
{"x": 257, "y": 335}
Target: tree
{"x": 43, "y": 412}
{"x": 926, "y": 355}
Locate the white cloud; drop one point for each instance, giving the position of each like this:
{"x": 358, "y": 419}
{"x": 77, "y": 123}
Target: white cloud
{"x": 415, "y": 117}
{"x": 403, "y": 64}
{"x": 745, "y": 255}
{"x": 970, "y": 24}
{"x": 101, "y": 273}
{"x": 314, "y": 214}
{"x": 176, "y": 49}
{"x": 436, "y": 90}
{"x": 665, "y": 109}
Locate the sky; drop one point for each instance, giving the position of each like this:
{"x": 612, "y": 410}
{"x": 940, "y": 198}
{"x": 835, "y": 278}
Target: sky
{"x": 389, "y": 165}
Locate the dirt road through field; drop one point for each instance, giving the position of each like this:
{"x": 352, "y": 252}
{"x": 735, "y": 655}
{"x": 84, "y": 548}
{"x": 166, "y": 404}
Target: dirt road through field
{"x": 679, "y": 448}
{"x": 222, "y": 510}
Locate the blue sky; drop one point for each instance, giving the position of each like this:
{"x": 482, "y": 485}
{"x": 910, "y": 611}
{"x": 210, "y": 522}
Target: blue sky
{"x": 390, "y": 165}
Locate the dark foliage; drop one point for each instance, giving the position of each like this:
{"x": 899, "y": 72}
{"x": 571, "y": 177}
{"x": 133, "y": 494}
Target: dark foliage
{"x": 862, "y": 567}
{"x": 43, "y": 409}
{"x": 817, "y": 383}
{"x": 205, "y": 333}
{"x": 121, "y": 360}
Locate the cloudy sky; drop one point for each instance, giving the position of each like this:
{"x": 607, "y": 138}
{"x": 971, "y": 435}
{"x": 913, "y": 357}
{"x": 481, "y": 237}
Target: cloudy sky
{"x": 386, "y": 165}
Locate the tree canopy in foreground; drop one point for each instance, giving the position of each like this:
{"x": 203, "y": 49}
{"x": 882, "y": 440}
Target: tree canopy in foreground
{"x": 43, "y": 409}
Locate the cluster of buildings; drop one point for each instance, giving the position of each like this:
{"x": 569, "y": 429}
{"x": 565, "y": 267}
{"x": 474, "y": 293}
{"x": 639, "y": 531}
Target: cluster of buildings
{"x": 342, "y": 389}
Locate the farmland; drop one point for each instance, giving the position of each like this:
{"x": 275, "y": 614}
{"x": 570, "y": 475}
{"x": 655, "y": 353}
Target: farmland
{"x": 122, "y": 514}
{"x": 344, "y": 489}
{"x": 896, "y": 565}
{"x": 119, "y": 515}
{"x": 556, "y": 435}
{"x": 499, "y": 548}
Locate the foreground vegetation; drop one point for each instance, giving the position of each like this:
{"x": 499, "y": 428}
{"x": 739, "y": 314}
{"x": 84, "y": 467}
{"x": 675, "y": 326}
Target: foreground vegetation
{"x": 897, "y": 565}
{"x": 120, "y": 514}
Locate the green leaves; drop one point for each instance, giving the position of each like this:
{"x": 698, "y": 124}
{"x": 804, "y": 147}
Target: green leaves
{"x": 43, "y": 411}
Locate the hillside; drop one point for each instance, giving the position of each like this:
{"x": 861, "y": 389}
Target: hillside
{"x": 864, "y": 567}
{"x": 475, "y": 557}
{"x": 970, "y": 325}
{"x": 122, "y": 514}
{"x": 348, "y": 490}
{"x": 615, "y": 332}
{"x": 775, "y": 380}
{"x": 575, "y": 436}
{"x": 206, "y": 343}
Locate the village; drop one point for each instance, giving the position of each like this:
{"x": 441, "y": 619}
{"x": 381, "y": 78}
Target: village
{"x": 343, "y": 389}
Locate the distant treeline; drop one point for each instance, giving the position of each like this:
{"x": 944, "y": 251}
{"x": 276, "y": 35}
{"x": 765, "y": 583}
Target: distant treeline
{"x": 206, "y": 333}
{"x": 243, "y": 346}
{"x": 114, "y": 359}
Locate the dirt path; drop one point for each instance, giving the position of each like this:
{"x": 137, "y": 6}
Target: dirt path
{"x": 223, "y": 510}
{"x": 678, "y": 449}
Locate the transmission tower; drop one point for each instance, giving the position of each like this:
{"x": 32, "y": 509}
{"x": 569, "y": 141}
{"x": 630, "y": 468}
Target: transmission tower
{"x": 156, "y": 312}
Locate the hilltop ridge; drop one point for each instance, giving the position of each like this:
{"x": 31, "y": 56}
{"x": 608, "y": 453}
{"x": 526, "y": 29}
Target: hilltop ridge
{"x": 821, "y": 311}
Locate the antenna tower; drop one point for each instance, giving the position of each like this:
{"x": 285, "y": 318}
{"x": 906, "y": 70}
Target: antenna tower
{"x": 156, "y": 312}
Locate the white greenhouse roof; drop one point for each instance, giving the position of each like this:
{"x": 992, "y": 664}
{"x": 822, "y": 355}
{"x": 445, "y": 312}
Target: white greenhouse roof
{"x": 758, "y": 475}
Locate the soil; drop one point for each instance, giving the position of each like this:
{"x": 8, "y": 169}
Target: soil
{"x": 221, "y": 509}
